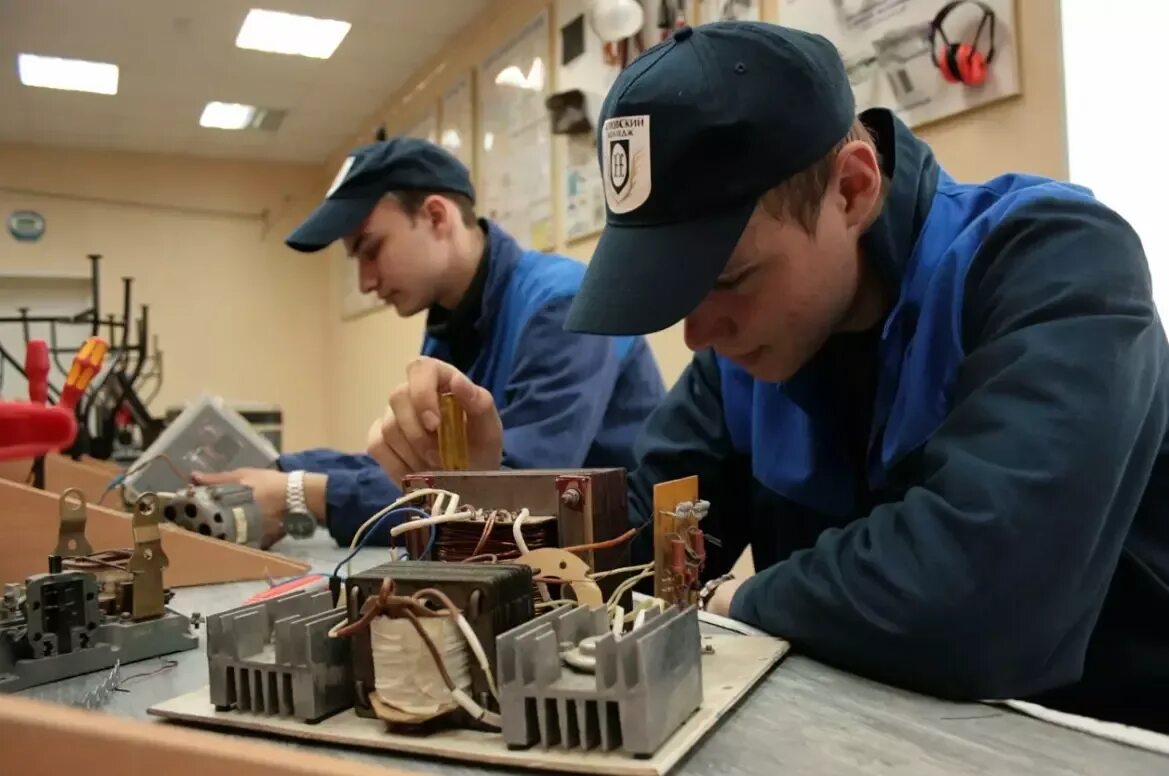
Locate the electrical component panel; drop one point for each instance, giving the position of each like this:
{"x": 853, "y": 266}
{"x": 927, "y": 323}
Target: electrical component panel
{"x": 90, "y": 611}
{"x": 493, "y": 598}
{"x": 679, "y": 542}
{"x": 568, "y": 508}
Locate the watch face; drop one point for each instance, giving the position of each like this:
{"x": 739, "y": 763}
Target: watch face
{"x": 300, "y": 525}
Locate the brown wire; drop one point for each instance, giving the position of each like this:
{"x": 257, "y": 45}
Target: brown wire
{"x": 614, "y": 542}
{"x": 488, "y": 524}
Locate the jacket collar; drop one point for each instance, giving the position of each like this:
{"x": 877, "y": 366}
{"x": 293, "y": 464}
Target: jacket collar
{"x": 504, "y": 254}
{"x": 912, "y": 170}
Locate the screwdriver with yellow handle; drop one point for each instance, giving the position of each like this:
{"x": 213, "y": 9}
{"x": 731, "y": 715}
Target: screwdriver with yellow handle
{"x": 453, "y": 452}
{"x": 86, "y": 364}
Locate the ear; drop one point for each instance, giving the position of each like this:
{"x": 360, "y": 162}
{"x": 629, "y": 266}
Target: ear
{"x": 858, "y": 182}
{"x": 436, "y": 212}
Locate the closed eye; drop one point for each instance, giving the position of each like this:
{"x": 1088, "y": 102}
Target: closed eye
{"x": 732, "y": 282}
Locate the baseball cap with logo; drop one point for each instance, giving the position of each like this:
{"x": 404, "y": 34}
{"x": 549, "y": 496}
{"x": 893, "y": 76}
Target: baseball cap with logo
{"x": 369, "y": 173}
{"x": 691, "y": 134}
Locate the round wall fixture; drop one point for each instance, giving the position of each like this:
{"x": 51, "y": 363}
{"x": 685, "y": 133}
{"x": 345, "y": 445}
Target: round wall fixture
{"x": 26, "y": 225}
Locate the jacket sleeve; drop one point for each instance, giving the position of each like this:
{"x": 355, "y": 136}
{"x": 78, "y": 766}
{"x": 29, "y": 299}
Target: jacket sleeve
{"x": 986, "y": 579}
{"x": 357, "y": 488}
{"x": 687, "y": 435}
{"x": 557, "y": 393}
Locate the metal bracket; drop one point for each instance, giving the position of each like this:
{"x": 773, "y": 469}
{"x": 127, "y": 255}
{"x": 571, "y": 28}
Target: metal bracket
{"x": 71, "y": 540}
{"x": 148, "y": 560}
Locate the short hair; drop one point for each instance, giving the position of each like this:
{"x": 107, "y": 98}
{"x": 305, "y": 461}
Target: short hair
{"x": 799, "y": 197}
{"x": 411, "y": 202}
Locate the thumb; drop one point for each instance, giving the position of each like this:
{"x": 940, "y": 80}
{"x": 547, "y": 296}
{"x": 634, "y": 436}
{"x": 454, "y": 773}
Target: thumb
{"x": 216, "y": 478}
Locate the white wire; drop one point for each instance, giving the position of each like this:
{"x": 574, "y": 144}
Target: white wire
{"x": 406, "y": 499}
{"x": 476, "y": 647}
{"x": 422, "y": 522}
{"x": 517, "y": 534}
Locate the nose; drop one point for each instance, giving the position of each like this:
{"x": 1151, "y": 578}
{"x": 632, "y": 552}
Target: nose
{"x": 367, "y": 278}
{"x": 707, "y": 327}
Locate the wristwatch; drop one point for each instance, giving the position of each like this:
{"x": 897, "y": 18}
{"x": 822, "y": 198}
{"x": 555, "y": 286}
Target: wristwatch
{"x": 707, "y": 591}
{"x": 299, "y": 521}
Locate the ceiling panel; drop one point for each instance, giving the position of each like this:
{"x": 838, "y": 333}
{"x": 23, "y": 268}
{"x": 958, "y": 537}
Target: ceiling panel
{"x": 176, "y": 55}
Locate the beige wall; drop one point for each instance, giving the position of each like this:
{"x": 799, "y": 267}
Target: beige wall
{"x": 251, "y": 319}
{"x": 1025, "y": 133}
{"x": 235, "y": 311}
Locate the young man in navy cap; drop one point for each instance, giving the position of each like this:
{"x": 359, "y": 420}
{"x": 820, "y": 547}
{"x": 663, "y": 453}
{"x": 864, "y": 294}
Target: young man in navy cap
{"x": 404, "y": 209}
{"x": 936, "y": 412}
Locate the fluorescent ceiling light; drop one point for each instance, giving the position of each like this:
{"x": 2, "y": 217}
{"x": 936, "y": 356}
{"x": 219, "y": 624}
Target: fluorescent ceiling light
{"x": 73, "y": 75}
{"x": 513, "y": 76}
{"x": 227, "y": 115}
{"x": 287, "y": 33}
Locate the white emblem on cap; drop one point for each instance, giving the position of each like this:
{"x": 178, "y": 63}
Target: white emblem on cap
{"x": 625, "y": 163}
{"x": 345, "y": 167}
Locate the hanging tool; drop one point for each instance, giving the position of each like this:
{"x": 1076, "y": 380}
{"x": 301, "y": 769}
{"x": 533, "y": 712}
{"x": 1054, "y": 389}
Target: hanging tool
{"x": 36, "y": 367}
{"x": 86, "y": 364}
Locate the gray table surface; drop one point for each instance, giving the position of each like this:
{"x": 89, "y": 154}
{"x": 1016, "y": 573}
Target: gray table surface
{"x": 803, "y": 718}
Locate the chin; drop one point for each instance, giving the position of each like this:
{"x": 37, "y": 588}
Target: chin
{"x": 773, "y": 370}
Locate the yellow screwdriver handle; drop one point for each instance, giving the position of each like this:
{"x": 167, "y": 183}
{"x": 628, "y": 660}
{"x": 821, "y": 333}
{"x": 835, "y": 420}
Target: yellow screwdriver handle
{"x": 452, "y": 435}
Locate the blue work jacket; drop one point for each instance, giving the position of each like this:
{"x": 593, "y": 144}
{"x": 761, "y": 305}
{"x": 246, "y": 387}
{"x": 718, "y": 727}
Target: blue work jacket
{"x": 566, "y": 400}
{"x": 973, "y": 498}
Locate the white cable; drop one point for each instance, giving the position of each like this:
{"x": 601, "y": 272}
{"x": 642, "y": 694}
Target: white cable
{"x": 476, "y": 646}
{"x": 517, "y": 534}
{"x": 422, "y": 522}
{"x": 406, "y": 499}
{"x": 411, "y": 496}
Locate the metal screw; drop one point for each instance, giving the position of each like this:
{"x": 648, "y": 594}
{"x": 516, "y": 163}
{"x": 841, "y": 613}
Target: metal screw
{"x": 570, "y": 498}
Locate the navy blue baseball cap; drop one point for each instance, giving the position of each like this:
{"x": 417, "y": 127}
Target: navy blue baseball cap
{"x": 368, "y": 174}
{"x": 690, "y": 136}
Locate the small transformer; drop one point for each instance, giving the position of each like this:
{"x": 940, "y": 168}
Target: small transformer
{"x": 492, "y": 597}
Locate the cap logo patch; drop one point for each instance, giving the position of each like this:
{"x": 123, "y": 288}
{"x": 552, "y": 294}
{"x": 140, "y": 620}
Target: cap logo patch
{"x": 625, "y": 162}
{"x": 346, "y": 166}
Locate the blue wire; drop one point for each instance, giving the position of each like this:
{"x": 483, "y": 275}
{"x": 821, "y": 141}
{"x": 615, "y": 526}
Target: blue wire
{"x": 407, "y": 511}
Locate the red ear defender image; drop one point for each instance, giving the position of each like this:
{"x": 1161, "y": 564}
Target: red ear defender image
{"x": 962, "y": 63}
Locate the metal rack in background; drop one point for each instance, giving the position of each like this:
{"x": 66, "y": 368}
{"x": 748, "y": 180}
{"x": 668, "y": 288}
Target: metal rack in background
{"x": 115, "y": 404}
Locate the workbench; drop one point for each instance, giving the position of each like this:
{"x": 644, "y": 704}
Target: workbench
{"x": 804, "y": 718}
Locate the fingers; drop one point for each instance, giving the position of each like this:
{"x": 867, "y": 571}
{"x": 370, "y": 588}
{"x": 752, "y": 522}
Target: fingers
{"x": 394, "y": 467}
{"x": 217, "y": 478}
{"x": 423, "y": 379}
{"x": 405, "y": 436}
{"x": 484, "y": 428}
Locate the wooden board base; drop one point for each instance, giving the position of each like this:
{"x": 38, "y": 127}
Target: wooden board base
{"x": 738, "y": 663}
{"x": 31, "y": 520}
{"x": 44, "y": 737}
{"x": 62, "y": 473}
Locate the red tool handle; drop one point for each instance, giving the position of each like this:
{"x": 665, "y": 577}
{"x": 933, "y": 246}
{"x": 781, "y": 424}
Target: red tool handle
{"x": 36, "y": 366}
{"x": 30, "y": 430}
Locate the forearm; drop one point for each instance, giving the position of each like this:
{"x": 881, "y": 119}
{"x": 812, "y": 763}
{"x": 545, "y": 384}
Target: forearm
{"x": 352, "y": 497}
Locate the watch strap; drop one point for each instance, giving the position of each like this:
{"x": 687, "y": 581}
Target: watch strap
{"x": 294, "y": 498}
